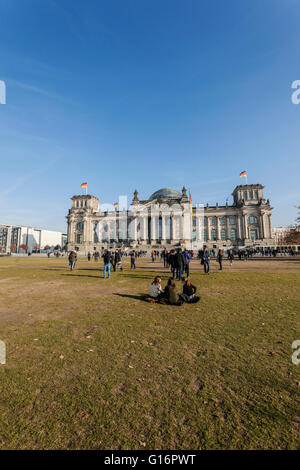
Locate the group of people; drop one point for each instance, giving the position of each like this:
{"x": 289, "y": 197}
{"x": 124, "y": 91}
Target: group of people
{"x": 169, "y": 294}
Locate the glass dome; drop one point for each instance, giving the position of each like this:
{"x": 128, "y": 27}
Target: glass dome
{"x": 165, "y": 193}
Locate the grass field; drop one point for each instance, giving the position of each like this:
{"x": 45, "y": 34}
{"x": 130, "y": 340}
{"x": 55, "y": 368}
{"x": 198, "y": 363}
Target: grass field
{"x": 92, "y": 366}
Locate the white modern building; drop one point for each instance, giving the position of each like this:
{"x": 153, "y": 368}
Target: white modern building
{"x": 34, "y": 239}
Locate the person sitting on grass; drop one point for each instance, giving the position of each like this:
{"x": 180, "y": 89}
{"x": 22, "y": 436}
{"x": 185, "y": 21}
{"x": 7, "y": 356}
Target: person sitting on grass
{"x": 156, "y": 291}
{"x": 170, "y": 293}
{"x": 189, "y": 290}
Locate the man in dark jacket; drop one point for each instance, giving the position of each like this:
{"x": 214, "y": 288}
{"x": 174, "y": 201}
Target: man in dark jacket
{"x": 72, "y": 260}
{"x": 132, "y": 259}
{"x": 179, "y": 263}
{"x": 117, "y": 260}
{"x": 220, "y": 258}
{"x": 107, "y": 263}
{"x": 172, "y": 262}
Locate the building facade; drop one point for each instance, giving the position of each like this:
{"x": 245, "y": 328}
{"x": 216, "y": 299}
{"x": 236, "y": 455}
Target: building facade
{"x": 168, "y": 219}
{"x": 279, "y": 234}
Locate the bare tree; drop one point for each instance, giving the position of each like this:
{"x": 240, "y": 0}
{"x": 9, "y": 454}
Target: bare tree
{"x": 292, "y": 237}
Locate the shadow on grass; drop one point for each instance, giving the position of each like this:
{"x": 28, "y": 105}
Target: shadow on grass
{"x": 71, "y": 274}
{"x": 138, "y": 297}
{"x": 143, "y": 276}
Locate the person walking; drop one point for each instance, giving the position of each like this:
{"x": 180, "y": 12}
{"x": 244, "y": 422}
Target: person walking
{"x": 187, "y": 259}
{"x": 132, "y": 259}
{"x": 72, "y": 260}
{"x": 220, "y": 259}
{"x": 206, "y": 262}
{"x": 172, "y": 262}
{"x": 107, "y": 263}
{"x": 117, "y": 261}
{"x": 230, "y": 256}
{"x": 89, "y": 256}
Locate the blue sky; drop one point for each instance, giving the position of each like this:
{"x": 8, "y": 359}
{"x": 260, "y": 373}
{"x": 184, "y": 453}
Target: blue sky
{"x": 143, "y": 94}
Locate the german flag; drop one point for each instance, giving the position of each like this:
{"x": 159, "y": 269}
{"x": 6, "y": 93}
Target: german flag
{"x": 243, "y": 173}
{"x": 191, "y": 204}
{"x": 83, "y": 185}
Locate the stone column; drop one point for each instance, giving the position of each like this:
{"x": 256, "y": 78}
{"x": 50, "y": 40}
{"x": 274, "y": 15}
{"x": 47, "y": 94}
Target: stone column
{"x": 163, "y": 228}
{"x": 187, "y": 224}
{"x": 134, "y": 228}
{"x": 172, "y": 227}
{"x": 218, "y": 227}
{"x": 239, "y": 227}
{"x": 208, "y": 229}
{"x": 227, "y": 227}
{"x": 71, "y": 231}
{"x": 262, "y": 223}
{"x": 261, "y": 235}
{"x": 154, "y": 225}
{"x": 144, "y": 227}
{"x": 246, "y": 235}
{"x": 85, "y": 231}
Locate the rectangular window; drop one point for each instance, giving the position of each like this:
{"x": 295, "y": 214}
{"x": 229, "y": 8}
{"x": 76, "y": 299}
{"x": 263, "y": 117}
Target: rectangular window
{"x": 253, "y": 234}
{"x": 223, "y": 234}
{"x": 232, "y": 234}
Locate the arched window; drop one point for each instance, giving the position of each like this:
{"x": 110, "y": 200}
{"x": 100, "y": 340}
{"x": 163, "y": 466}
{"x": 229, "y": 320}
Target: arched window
{"x": 223, "y": 234}
{"x": 251, "y": 194}
{"x": 233, "y": 234}
{"x": 77, "y": 203}
{"x": 213, "y": 234}
{"x": 79, "y": 226}
{"x": 256, "y": 194}
{"x": 245, "y": 194}
{"x": 252, "y": 219}
{"x": 81, "y": 203}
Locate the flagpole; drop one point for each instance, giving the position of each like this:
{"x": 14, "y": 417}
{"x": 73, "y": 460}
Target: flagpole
{"x": 191, "y": 218}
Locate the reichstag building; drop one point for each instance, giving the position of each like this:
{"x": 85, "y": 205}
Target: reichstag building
{"x": 168, "y": 219}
